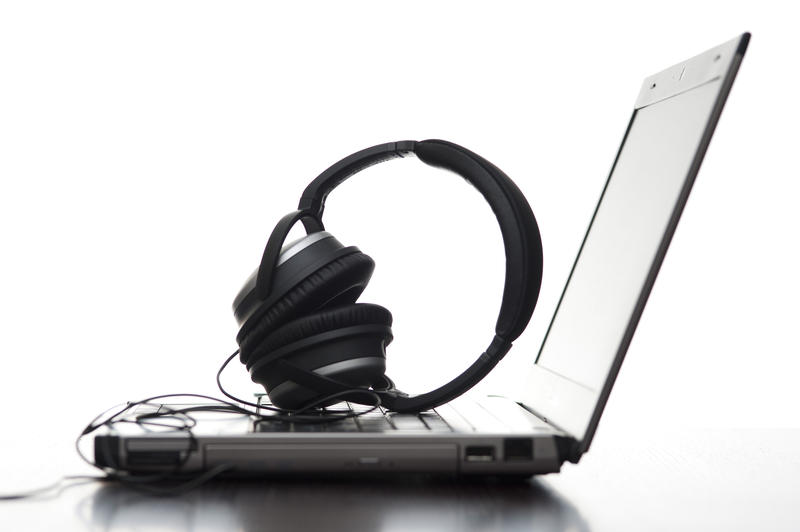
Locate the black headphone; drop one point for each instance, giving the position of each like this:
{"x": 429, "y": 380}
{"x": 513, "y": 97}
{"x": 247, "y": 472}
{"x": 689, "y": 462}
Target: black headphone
{"x": 303, "y": 336}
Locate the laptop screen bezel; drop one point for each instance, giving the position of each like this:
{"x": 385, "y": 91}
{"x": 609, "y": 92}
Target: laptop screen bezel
{"x": 566, "y": 404}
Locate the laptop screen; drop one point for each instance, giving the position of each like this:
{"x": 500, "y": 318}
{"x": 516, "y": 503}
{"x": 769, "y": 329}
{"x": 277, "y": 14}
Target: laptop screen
{"x": 627, "y": 238}
{"x": 625, "y": 235}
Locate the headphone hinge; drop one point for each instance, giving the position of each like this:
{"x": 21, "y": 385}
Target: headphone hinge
{"x": 498, "y": 348}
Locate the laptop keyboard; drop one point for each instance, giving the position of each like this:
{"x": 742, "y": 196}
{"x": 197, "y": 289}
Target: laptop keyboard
{"x": 375, "y": 421}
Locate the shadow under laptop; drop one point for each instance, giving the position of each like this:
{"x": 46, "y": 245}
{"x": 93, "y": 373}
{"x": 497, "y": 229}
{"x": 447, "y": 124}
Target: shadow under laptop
{"x": 417, "y": 504}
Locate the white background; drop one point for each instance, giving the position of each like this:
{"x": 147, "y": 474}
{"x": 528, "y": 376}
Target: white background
{"x": 147, "y": 149}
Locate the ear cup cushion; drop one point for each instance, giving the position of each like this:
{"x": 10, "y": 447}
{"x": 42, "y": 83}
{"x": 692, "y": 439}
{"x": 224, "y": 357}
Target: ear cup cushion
{"x": 320, "y": 322}
{"x": 339, "y": 282}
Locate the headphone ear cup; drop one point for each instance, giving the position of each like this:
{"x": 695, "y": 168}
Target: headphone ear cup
{"x": 346, "y": 344}
{"x": 338, "y": 283}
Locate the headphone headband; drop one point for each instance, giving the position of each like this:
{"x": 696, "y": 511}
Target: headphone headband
{"x": 521, "y": 239}
{"x": 523, "y": 244}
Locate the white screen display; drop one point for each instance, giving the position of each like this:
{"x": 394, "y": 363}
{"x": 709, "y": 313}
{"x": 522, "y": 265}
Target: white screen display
{"x": 623, "y": 240}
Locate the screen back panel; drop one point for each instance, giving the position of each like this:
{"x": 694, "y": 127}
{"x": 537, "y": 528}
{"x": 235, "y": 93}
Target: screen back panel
{"x": 638, "y": 211}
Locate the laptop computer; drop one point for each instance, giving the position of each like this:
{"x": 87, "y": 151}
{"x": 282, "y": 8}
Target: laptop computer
{"x": 554, "y": 418}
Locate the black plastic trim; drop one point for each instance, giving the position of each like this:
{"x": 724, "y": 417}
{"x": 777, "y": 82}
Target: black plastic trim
{"x": 106, "y": 451}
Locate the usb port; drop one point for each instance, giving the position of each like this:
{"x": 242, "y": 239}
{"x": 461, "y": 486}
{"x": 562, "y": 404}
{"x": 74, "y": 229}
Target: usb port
{"x": 479, "y": 453}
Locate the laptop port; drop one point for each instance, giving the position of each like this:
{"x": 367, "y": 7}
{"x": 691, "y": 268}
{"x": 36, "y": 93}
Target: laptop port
{"x": 518, "y": 449}
{"x": 479, "y": 453}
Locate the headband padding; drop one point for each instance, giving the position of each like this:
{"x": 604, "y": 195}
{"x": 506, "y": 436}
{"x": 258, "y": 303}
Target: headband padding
{"x": 523, "y": 244}
{"x": 320, "y": 322}
{"x": 339, "y": 282}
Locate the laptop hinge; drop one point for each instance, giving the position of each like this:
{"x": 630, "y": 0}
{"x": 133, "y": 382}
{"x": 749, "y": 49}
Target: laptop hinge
{"x": 569, "y": 449}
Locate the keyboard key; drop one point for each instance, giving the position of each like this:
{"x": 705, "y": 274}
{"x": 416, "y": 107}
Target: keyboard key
{"x": 309, "y": 427}
{"x": 455, "y": 420}
{"x": 272, "y": 426}
{"x": 344, "y": 425}
{"x": 407, "y": 422}
{"x": 373, "y": 424}
{"x": 435, "y": 423}
{"x": 377, "y": 413}
{"x": 479, "y": 417}
{"x": 355, "y": 407}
